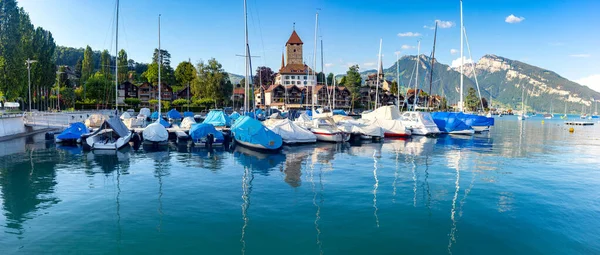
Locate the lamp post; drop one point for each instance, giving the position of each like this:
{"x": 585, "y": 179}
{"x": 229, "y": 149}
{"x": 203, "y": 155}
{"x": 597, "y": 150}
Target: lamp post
{"x": 28, "y": 63}
{"x": 58, "y": 84}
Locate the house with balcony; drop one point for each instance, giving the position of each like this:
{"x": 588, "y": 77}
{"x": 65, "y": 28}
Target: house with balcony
{"x": 127, "y": 90}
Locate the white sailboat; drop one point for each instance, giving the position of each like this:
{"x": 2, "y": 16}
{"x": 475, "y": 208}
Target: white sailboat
{"x": 523, "y": 115}
{"x": 156, "y": 134}
{"x": 112, "y": 134}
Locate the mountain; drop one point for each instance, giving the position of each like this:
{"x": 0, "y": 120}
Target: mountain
{"x": 235, "y": 78}
{"x": 505, "y": 79}
{"x": 446, "y": 81}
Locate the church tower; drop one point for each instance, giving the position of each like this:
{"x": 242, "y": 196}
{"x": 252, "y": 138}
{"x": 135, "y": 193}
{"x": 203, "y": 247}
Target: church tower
{"x": 293, "y": 49}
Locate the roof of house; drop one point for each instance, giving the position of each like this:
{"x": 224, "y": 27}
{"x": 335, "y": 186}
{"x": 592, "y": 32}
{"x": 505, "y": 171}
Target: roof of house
{"x": 295, "y": 69}
{"x": 294, "y": 39}
{"x": 238, "y": 91}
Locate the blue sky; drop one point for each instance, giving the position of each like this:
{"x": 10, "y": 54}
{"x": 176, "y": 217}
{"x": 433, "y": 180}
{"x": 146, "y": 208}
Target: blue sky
{"x": 555, "y": 34}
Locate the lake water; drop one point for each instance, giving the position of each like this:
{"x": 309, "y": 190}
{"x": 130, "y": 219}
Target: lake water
{"x": 524, "y": 188}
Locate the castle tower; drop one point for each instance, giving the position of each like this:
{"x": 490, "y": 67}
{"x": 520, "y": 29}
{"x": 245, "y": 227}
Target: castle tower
{"x": 293, "y": 49}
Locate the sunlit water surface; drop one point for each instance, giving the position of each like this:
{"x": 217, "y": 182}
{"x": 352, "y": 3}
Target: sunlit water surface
{"x": 524, "y": 188}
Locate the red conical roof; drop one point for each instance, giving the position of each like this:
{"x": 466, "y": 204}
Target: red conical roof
{"x": 294, "y": 39}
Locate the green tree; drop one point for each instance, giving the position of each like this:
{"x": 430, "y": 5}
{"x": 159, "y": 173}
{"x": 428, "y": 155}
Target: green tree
{"x": 472, "y": 101}
{"x": 353, "y": 82}
{"x": 123, "y": 66}
{"x": 96, "y": 87}
{"x": 166, "y": 57}
{"x": 87, "y": 66}
{"x": 180, "y": 102}
{"x": 185, "y": 73}
{"x": 11, "y": 57}
{"x": 166, "y": 71}
{"x": 212, "y": 82}
{"x": 78, "y": 67}
{"x": 105, "y": 63}
{"x": 330, "y": 78}
{"x": 394, "y": 87}
{"x": 321, "y": 78}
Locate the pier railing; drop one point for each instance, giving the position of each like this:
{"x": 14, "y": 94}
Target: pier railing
{"x": 58, "y": 119}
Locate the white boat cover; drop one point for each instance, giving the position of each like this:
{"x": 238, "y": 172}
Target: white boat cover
{"x": 289, "y": 131}
{"x": 389, "y": 112}
{"x": 125, "y": 116}
{"x": 351, "y": 125}
{"x": 155, "y": 132}
{"x": 144, "y": 112}
{"x": 304, "y": 121}
{"x": 187, "y": 123}
{"x": 95, "y": 120}
{"x": 389, "y": 126}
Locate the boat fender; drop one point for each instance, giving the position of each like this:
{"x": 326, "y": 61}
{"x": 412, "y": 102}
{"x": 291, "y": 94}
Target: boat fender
{"x": 137, "y": 141}
{"x": 210, "y": 138}
{"x": 49, "y": 136}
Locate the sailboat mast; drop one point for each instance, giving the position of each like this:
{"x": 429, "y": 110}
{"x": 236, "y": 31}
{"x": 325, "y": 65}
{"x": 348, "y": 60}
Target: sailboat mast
{"x": 432, "y": 63}
{"x": 417, "y": 77}
{"x": 379, "y": 67}
{"x": 315, "y": 63}
{"x": 159, "y": 65}
{"x": 335, "y": 88}
{"x": 398, "y": 80}
{"x": 460, "y": 103}
{"x": 117, "y": 62}
{"x": 246, "y": 81}
{"x": 189, "y": 88}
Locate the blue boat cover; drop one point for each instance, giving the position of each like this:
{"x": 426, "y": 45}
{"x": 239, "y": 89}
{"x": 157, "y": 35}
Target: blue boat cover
{"x": 74, "y": 131}
{"x": 249, "y": 114}
{"x": 448, "y": 122}
{"x": 251, "y": 131}
{"x": 475, "y": 120}
{"x": 201, "y": 130}
{"x": 188, "y": 114}
{"x": 154, "y": 115}
{"x": 217, "y": 118}
{"x": 165, "y": 123}
{"x": 259, "y": 112}
{"x": 173, "y": 114}
{"x": 234, "y": 115}
{"x": 339, "y": 112}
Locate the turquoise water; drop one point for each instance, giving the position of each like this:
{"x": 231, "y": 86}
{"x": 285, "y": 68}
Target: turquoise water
{"x": 524, "y": 188}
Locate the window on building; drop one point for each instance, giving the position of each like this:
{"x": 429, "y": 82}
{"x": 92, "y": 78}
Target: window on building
{"x": 287, "y": 77}
{"x": 298, "y": 82}
{"x": 293, "y": 77}
{"x": 294, "y": 50}
{"x": 287, "y": 82}
{"x": 305, "y": 83}
{"x": 305, "y": 77}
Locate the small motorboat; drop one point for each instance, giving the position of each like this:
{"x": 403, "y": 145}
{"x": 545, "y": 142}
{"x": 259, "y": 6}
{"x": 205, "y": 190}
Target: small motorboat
{"x": 326, "y": 130}
{"x": 218, "y": 118}
{"x": 548, "y": 116}
{"x": 420, "y": 123}
{"x": 144, "y": 114}
{"x": 156, "y": 134}
{"x": 477, "y": 122}
{"x": 201, "y": 132}
{"x": 350, "y": 125}
{"x": 72, "y": 134}
{"x": 95, "y": 120}
{"x": 449, "y": 123}
{"x": 132, "y": 122}
{"x": 188, "y": 114}
{"x": 522, "y": 116}
{"x": 251, "y": 133}
{"x": 187, "y": 122}
{"x": 289, "y": 131}
{"x": 389, "y": 119}
{"x": 112, "y": 135}
{"x": 174, "y": 115}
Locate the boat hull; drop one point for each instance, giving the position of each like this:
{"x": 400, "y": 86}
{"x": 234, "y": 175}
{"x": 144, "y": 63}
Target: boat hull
{"x": 336, "y": 137}
{"x": 391, "y": 134}
{"x": 119, "y": 143}
{"x": 463, "y": 132}
{"x": 479, "y": 129}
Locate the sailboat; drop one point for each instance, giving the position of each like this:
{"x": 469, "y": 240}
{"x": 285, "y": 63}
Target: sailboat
{"x": 583, "y": 114}
{"x": 523, "y": 115}
{"x": 477, "y": 122}
{"x": 246, "y": 130}
{"x": 156, "y": 134}
{"x": 564, "y": 117}
{"x": 112, "y": 134}
{"x": 551, "y": 114}
{"x": 594, "y": 115}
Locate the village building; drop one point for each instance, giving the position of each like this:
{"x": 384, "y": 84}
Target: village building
{"x": 147, "y": 92}
{"x": 127, "y": 90}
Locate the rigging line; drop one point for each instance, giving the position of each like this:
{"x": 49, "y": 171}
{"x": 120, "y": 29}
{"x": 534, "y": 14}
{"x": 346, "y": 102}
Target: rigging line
{"x": 110, "y": 27}
{"x": 262, "y": 42}
{"x": 473, "y": 67}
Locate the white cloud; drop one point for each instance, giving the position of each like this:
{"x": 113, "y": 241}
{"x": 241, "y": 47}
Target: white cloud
{"x": 369, "y": 64}
{"x": 456, "y": 62}
{"x": 453, "y": 51}
{"x": 407, "y": 47}
{"x": 397, "y": 52}
{"x": 513, "y": 19}
{"x": 592, "y": 81}
{"x": 409, "y": 34}
{"x": 580, "y": 55}
{"x": 441, "y": 24}
{"x": 329, "y": 64}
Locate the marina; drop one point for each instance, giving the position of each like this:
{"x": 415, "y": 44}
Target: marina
{"x": 446, "y": 194}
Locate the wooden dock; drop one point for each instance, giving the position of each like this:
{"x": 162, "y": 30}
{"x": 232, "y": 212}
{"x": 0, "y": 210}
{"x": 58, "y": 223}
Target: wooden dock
{"x": 579, "y": 123}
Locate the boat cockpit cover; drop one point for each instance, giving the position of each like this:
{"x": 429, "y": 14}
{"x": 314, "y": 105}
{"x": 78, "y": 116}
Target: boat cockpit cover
{"x": 173, "y": 114}
{"x": 217, "y": 118}
{"x": 116, "y": 125}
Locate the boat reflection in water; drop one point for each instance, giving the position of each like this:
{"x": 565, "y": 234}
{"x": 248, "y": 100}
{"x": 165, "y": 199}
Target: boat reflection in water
{"x": 256, "y": 161}
{"x": 108, "y": 160}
